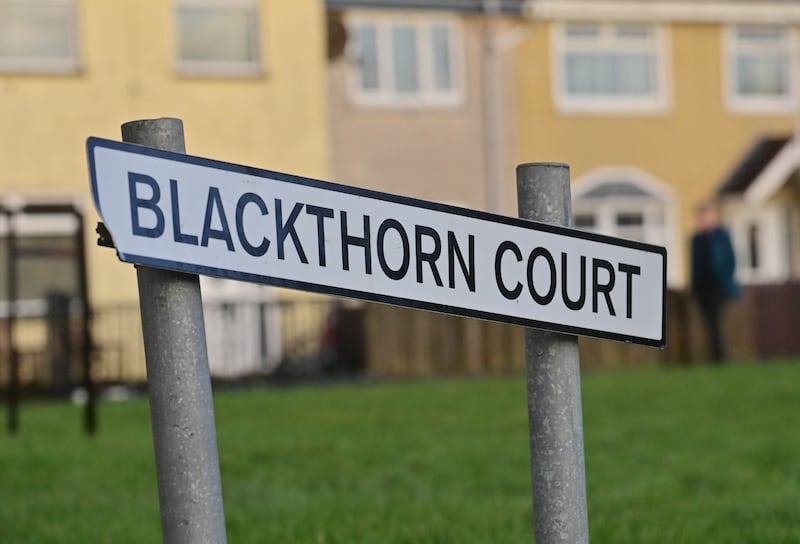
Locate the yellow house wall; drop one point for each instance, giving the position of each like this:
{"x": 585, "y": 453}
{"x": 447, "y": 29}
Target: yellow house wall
{"x": 277, "y": 120}
{"x": 690, "y": 147}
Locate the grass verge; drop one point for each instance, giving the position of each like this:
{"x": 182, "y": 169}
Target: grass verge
{"x": 704, "y": 454}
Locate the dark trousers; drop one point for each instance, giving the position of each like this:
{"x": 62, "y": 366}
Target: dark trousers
{"x": 711, "y": 306}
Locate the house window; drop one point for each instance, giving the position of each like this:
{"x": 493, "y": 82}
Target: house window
{"x": 405, "y": 62}
{"x": 218, "y": 37}
{"x": 585, "y": 221}
{"x": 610, "y": 67}
{"x": 631, "y": 224}
{"x": 38, "y": 36}
{"x": 760, "y": 71}
{"x": 628, "y": 203}
{"x": 623, "y": 208}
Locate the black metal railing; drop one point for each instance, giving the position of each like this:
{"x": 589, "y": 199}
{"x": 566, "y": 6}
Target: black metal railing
{"x": 246, "y": 339}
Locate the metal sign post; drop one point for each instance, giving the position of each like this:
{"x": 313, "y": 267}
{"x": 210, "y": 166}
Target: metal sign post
{"x": 168, "y": 210}
{"x": 552, "y": 363}
{"x": 179, "y": 383}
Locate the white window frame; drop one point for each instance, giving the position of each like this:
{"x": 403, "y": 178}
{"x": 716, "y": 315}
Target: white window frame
{"x": 190, "y": 68}
{"x": 427, "y": 96}
{"x": 605, "y": 210}
{"x": 54, "y": 65}
{"x": 773, "y": 220}
{"x": 759, "y": 104}
{"x": 657, "y": 103}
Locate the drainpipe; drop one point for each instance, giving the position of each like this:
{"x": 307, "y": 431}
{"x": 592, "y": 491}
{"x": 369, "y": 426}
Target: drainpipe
{"x": 494, "y": 45}
{"x": 491, "y": 87}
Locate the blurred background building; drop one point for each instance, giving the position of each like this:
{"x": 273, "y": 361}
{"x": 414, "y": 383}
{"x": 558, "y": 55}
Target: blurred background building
{"x": 657, "y": 105}
{"x": 422, "y": 99}
{"x": 246, "y": 76}
{"x": 652, "y": 103}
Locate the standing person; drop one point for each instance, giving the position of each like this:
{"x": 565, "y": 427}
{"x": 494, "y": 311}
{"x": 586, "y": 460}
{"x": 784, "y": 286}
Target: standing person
{"x": 713, "y": 268}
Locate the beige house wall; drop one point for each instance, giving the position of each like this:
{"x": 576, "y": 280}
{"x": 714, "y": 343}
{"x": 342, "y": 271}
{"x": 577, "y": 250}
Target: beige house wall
{"x": 430, "y": 152}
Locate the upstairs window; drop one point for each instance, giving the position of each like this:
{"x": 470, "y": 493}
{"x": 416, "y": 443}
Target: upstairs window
{"x": 405, "y": 62}
{"x": 760, "y": 72}
{"x": 38, "y": 36}
{"x": 616, "y": 67}
{"x": 218, "y": 37}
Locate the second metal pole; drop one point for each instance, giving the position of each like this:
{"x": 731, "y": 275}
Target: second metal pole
{"x": 179, "y": 383}
{"x": 555, "y": 415}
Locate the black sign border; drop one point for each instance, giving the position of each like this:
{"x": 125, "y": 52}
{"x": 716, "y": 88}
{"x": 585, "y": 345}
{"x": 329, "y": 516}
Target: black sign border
{"x": 93, "y": 142}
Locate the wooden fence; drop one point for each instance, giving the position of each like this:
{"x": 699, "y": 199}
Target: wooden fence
{"x": 389, "y": 341}
{"x": 408, "y": 343}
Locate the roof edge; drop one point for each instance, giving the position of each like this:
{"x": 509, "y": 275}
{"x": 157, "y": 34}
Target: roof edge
{"x": 693, "y": 11}
{"x": 758, "y": 158}
{"x": 775, "y": 175}
{"x": 511, "y": 7}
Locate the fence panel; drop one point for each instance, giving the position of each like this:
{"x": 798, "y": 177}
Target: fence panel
{"x": 407, "y": 343}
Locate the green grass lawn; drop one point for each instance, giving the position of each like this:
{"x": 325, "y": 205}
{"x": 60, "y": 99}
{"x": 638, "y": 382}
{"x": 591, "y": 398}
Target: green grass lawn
{"x": 698, "y": 455}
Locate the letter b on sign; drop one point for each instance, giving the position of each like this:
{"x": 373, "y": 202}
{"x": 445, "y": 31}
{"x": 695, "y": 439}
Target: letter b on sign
{"x": 137, "y": 203}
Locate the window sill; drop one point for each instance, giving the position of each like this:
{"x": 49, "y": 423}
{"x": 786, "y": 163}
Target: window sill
{"x": 220, "y": 71}
{"x": 612, "y": 106}
{"x": 40, "y": 68}
{"x": 761, "y": 106}
{"x": 422, "y": 102}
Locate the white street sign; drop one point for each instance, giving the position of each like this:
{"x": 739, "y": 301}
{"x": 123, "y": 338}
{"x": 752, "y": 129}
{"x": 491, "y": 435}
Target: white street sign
{"x": 203, "y": 216}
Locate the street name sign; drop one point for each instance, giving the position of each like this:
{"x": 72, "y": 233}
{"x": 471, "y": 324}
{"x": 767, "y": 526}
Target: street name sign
{"x": 203, "y": 216}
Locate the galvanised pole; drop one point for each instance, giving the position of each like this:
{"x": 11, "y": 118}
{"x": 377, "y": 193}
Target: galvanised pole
{"x": 555, "y": 416}
{"x": 179, "y": 383}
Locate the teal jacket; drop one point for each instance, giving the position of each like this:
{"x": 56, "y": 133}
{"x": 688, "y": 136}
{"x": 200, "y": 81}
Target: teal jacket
{"x": 714, "y": 264}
